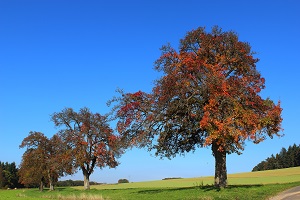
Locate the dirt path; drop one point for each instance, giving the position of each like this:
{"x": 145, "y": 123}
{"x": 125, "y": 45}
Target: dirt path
{"x": 291, "y": 194}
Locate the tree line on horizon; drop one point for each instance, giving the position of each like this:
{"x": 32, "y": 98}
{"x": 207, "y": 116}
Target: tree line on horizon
{"x": 287, "y": 158}
{"x": 9, "y": 177}
{"x": 208, "y": 95}
{"x": 69, "y": 183}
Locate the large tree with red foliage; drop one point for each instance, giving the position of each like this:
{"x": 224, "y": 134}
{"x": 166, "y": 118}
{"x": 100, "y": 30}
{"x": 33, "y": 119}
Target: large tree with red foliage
{"x": 90, "y": 140}
{"x": 209, "y": 95}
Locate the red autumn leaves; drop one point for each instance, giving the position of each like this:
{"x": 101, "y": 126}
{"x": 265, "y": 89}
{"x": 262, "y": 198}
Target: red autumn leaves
{"x": 208, "y": 95}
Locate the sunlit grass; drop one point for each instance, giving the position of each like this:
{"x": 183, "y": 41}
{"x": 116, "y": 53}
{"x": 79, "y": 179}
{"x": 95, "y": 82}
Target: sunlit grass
{"x": 251, "y": 178}
{"x": 200, "y": 192}
{"x": 253, "y": 185}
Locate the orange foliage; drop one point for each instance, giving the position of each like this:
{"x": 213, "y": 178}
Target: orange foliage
{"x": 209, "y": 93}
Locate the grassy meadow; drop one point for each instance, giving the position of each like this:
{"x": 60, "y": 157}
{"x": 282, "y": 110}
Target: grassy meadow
{"x": 252, "y": 185}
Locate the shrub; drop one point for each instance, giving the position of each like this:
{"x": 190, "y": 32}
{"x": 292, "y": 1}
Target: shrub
{"x": 171, "y": 178}
{"x": 123, "y": 181}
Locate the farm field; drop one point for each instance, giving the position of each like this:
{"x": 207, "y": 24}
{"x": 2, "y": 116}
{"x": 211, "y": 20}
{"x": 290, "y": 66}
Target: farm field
{"x": 253, "y": 185}
{"x": 251, "y": 178}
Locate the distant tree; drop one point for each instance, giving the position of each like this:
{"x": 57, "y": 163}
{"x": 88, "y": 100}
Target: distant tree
{"x": 283, "y": 158}
{"x": 271, "y": 162}
{"x": 278, "y": 164}
{"x": 13, "y": 170}
{"x": 123, "y": 181}
{"x": 295, "y": 155}
{"x": 44, "y": 160}
{"x": 33, "y": 167}
{"x": 1, "y": 178}
{"x": 29, "y": 173}
{"x": 208, "y": 95}
{"x": 90, "y": 140}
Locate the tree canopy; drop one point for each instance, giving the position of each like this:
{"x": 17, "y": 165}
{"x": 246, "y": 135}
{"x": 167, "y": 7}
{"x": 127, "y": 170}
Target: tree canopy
{"x": 208, "y": 95}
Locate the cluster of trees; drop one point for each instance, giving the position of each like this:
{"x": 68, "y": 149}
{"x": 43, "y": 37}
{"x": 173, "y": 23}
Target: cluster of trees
{"x": 208, "y": 95}
{"x": 9, "y": 177}
{"x": 284, "y": 159}
{"x": 43, "y": 161}
{"x": 84, "y": 141}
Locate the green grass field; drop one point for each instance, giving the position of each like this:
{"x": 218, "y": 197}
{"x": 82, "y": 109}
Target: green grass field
{"x": 250, "y": 178}
{"x": 253, "y": 185}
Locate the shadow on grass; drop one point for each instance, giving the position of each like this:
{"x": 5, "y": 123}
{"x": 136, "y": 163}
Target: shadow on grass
{"x": 55, "y": 189}
{"x": 62, "y": 188}
{"x": 205, "y": 188}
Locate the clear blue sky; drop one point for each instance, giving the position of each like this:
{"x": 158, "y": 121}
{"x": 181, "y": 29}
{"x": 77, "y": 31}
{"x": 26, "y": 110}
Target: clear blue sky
{"x": 74, "y": 53}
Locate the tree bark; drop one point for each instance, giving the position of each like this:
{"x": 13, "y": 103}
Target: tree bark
{"x": 51, "y": 186}
{"x": 41, "y": 187}
{"x": 220, "y": 166}
{"x": 86, "y": 179}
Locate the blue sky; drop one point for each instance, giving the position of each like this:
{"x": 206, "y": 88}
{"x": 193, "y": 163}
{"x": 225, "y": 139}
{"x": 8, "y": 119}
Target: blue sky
{"x": 62, "y": 53}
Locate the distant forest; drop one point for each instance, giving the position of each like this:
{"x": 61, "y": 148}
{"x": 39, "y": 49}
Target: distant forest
{"x": 286, "y": 158}
{"x": 9, "y": 177}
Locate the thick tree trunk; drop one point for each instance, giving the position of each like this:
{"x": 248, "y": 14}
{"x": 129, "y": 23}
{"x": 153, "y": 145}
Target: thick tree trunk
{"x": 86, "y": 180}
{"x": 220, "y": 166}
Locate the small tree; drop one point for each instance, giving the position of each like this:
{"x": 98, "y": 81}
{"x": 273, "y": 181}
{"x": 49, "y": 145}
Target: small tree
{"x": 208, "y": 96}
{"x": 33, "y": 165}
{"x": 123, "y": 180}
{"x": 90, "y": 140}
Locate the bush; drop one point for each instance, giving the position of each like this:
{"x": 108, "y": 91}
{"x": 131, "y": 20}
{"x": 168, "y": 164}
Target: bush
{"x": 123, "y": 181}
{"x": 171, "y": 178}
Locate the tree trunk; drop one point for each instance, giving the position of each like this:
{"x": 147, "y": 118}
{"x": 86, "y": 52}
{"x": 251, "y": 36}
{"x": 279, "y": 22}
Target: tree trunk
{"x": 86, "y": 179}
{"x": 220, "y": 166}
{"x": 51, "y": 186}
{"x": 41, "y": 187}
